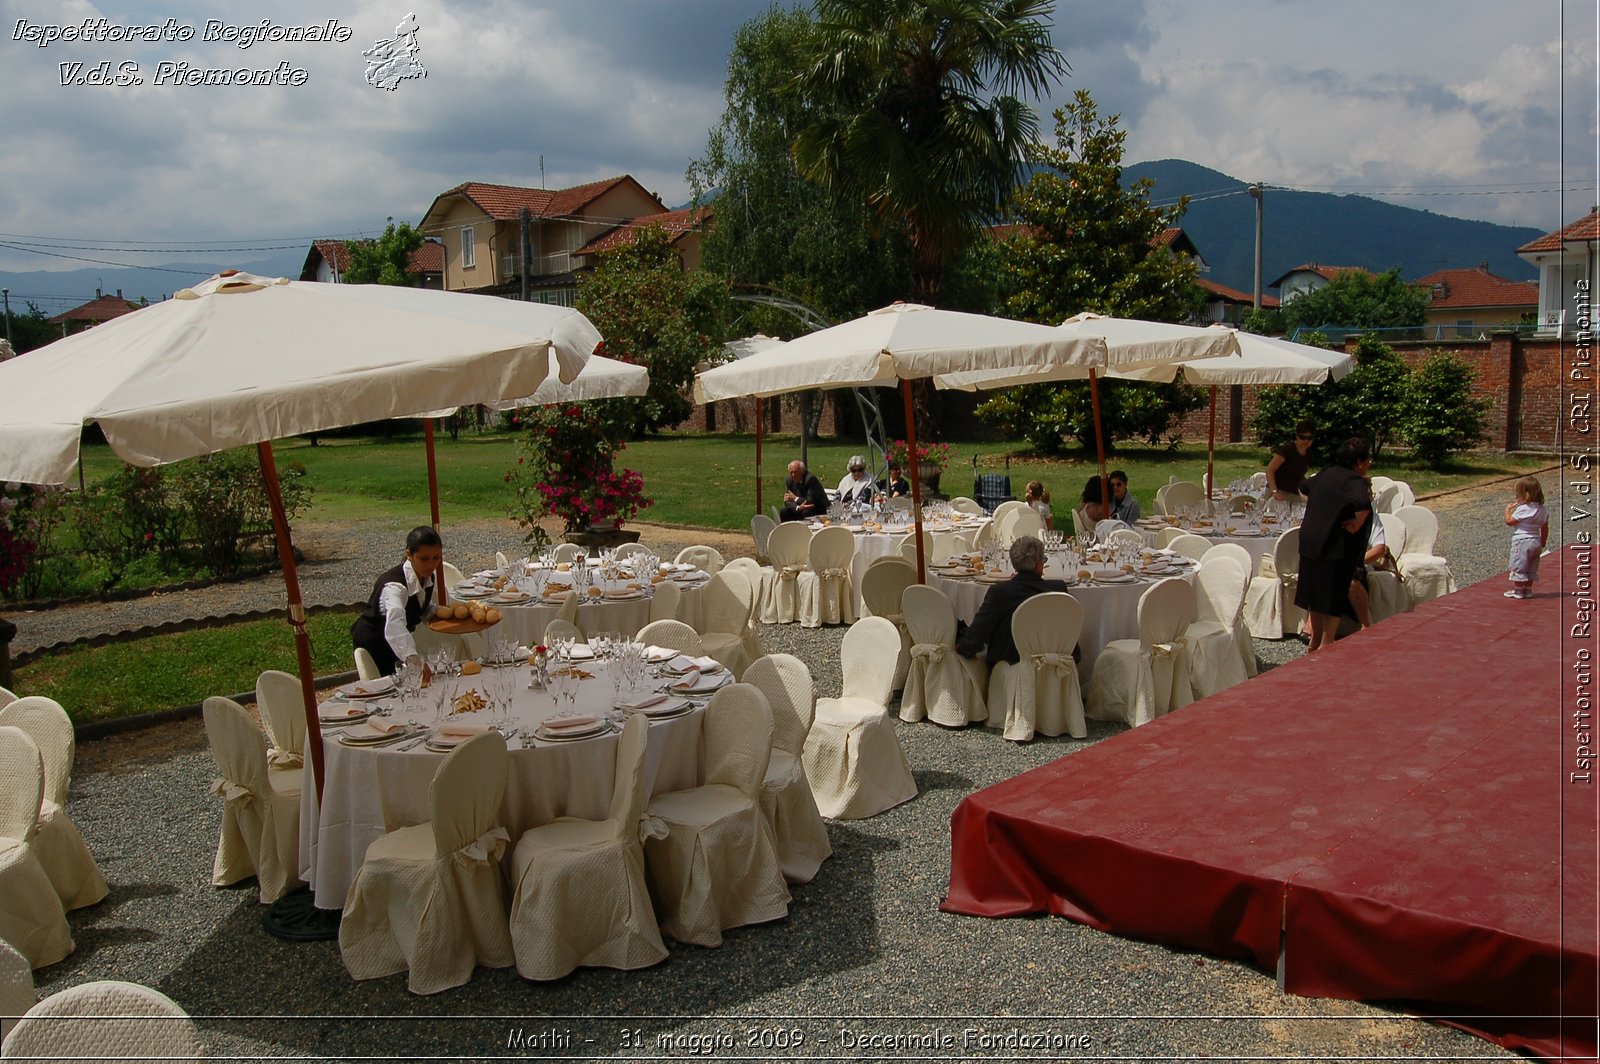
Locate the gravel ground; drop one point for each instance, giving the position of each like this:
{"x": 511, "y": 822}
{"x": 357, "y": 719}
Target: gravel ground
{"x": 864, "y": 951}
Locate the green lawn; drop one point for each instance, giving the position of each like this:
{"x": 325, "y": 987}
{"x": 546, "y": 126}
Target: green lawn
{"x": 146, "y": 675}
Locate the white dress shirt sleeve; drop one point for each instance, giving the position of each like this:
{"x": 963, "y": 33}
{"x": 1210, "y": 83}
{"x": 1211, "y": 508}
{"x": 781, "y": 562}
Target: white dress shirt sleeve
{"x": 392, "y": 603}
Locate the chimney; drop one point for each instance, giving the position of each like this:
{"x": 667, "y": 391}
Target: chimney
{"x": 119, "y": 293}
{"x": 1484, "y": 265}
{"x": 98, "y": 293}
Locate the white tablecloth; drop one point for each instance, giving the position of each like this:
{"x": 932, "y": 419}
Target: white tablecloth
{"x": 370, "y": 791}
{"x": 1110, "y": 611}
{"x": 873, "y": 545}
{"x": 1258, "y": 544}
{"x": 603, "y": 614}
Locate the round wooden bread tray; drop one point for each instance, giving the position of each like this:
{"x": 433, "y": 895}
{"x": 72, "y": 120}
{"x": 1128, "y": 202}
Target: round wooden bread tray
{"x": 455, "y": 627}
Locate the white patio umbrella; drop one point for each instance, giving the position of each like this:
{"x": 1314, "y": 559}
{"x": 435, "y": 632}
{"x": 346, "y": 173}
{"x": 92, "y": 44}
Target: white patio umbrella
{"x": 1130, "y": 344}
{"x": 898, "y": 344}
{"x": 600, "y": 378}
{"x": 241, "y": 359}
{"x": 1261, "y": 360}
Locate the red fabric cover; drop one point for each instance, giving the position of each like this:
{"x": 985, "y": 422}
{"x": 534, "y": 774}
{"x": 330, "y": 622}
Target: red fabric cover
{"x": 1395, "y": 804}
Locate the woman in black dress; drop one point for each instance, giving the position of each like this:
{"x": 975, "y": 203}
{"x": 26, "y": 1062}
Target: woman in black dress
{"x": 401, "y": 599}
{"x": 1333, "y": 539}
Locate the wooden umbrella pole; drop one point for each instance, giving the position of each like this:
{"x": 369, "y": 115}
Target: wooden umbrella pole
{"x": 759, "y": 411}
{"x": 433, "y": 471}
{"x": 1099, "y": 440}
{"x": 916, "y": 481}
{"x": 1211, "y": 448}
{"x": 297, "y": 610}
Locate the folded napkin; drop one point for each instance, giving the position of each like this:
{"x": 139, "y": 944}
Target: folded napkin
{"x": 373, "y": 727}
{"x": 581, "y": 652}
{"x": 695, "y": 683}
{"x": 657, "y": 655}
{"x": 340, "y": 712}
{"x": 681, "y": 665}
{"x": 368, "y": 688}
{"x": 558, "y": 724}
{"x": 461, "y": 731}
{"x": 687, "y": 679}
{"x": 644, "y": 702}
{"x": 707, "y": 664}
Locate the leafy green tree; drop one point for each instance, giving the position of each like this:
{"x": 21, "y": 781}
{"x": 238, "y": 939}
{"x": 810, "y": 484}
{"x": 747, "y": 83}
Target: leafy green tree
{"x": 1049, "y": 415}
{"x": 1440, "y": 413}
{"x": 1267, "y": 321}
{"x": 1366, "y": 403}
{"x": 1086, "y": 243}
{"x": 916, "y": 113}
{"x": 1356, "y": 299}
{"x": 773, "y": 230}
{"x": 31, "y": 329}
{"x": 654, "y": 313}
{"x": 384, "y": 260}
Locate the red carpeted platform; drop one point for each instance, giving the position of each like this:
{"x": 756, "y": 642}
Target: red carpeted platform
{"x": 1399, "y": 813}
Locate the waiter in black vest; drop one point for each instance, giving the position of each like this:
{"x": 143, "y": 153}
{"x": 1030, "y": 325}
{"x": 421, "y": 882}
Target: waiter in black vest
{"x": 401, "y": 599}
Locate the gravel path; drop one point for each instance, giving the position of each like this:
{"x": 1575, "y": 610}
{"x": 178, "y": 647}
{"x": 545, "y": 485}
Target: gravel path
{"x": 865, "y": 939}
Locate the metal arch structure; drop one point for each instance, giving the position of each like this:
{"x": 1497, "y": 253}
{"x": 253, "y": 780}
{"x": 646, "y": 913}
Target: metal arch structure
{"x": 877, "y": 434}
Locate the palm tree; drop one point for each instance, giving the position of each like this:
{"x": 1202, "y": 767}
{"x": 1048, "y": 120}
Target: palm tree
{"x": 908, "y": 127}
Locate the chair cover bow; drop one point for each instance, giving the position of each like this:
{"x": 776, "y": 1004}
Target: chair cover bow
{"x": 284, "y": 758}
{"x": 791, "y": 572}
{"x": 652, "y": 827}
{"x": 230, "y": 791}
{"x": 486, "y": 848}
{"x": 1063, "y": 664}
{"x": 835, "y": 574}
{"x": 930, "y": 653}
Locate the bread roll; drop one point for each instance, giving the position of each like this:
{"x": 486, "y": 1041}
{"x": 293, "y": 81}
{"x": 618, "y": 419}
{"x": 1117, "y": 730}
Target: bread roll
{"x": 492, "y": 615}
{"x": 461, "y": 612}
{"x": 470, "y": 668}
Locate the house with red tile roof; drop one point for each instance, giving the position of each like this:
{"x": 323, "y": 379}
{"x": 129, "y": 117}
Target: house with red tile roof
{"x": 1473, "y": 300}
{"x": 481, "y": 228}
{"x": 101, "y": 308}
{"x": 1308, "y": 277}
{"x": 683, "y": 228}
{"x": 328, "y": 259}
{"x": 1569, "y": 266}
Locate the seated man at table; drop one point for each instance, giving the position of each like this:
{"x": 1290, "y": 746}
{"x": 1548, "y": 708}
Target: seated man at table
{"x": 1124, "y": 507}
{"x": 803, "y": 495}
{"x": 894, "y": 485}
{"x": 990, "y": 630}
{"x": 856, "y": 487}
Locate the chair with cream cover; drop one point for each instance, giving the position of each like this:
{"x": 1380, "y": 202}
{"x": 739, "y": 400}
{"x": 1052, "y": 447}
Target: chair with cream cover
{"x": 566, "y": 552}
{"x": 985, "y": 537}
{"x": 106, "y": 1020}
{"x": 366, "y": 668}
{"x": 430, "y": 898}
{"x": 1018, "y": 523}
{"x": 665, "y": 600}
{"x": 789, "y": 548}
{"x": 709, "y": 855}
{"x": 31, "y": 917}
{"x": 1137, "y": 680}
{"x": 1241, "y": 504}
{"x": 57, "y": 841}
{"x": 963, "y": 505}
{"x": 761, "y": 529}
{"x": 786, "y": 798}
{"x": 707, "y": 558}
{"x": 673, "y": 635}
{"x": 749, "y": 566}
{"x": 452, "y": 575}
{"x": 1386, "y": 592}
{"x": 882, "y": 585}
{"x": 1384, "y": 499}
{"x": 1103, "y": 529}
{"x": 1010, "y": 506}
{"x": 7, "y": 696}
{"x": 728, "y": 603}
{"x": 558, "y": 630}
{"x": 1040, "y": 693}
{"x": 1165, "y": 537}
{"x": 1182, "y": 495}
{"x": 261, "y": 809}
{"x": 1241, "y": 631}
{"x": 853, "y": 757}
{"x": 628, "y": 550}
{"x": 283, "y": 714}
{"x": 1269, "y": 609}
{"x": 832, "y": 599}
{"x": 16, "y": 987}
{"x": 1215, "y": 663}
{"x": 759, "y": 576}
{"x": 1190, "y": 545}
{"x": 1427, "y": 575}
{"x": 906, "y": 547}
{"x": 1158, "y": 504}
{"x": 1406, "y": 496}
{"x": 1127, "y": 536}
{"x": 500, "y": 559}
{"x": 579, "y": 896}
{"x": 942, "y": 686}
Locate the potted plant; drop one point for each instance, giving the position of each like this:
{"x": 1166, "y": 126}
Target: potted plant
{"x": 566, "y": 468}
{"x": 931, "y": 461}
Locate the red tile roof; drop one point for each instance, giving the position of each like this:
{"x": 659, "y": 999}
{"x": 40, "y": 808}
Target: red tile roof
{"x": 1585, "y": 228}
{"x": 677, "y": 223}
{"x": 429, "y": 258}
{"x": 1233, "y": 295}
{"x": 1011, "y": 229}
{"x": 1327, "y": 273}
{"x": 506, "y": 202}
{"x": 101, "y": 308}
{"x": 1477, "y": 287}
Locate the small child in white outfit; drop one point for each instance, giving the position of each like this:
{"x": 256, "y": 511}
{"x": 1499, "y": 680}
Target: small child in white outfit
{"x": 1530, "y": 527}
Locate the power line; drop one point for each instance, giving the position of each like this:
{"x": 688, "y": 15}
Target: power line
{"x": 101, "y": 262}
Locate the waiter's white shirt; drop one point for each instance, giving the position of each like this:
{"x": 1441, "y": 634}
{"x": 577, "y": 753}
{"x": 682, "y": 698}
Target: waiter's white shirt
{"x": 392, "y": 603}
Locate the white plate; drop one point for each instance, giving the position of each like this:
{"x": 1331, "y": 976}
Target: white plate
{"x": 1120, "y": 578}
{"x": 669, "y": 706}
{"x": 382, "y": 687}
{"x": 474, "y": 593}
{"x": 519, "y": 599}
{"x": 600, "y": 727}
{"x": 367, "y": 736}
{"x": 357, "y": 714}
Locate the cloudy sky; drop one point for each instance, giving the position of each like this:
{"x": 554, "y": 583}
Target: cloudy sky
{"x": 1389, "y": 99}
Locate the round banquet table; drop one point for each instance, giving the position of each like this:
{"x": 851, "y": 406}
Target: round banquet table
{"x": 369, "y": 791}
{"x": 1110, "y": 611}
{"x": 871, "y": 546}
{"x": 1258, "y": 543}
{"x": 623, "y": 606}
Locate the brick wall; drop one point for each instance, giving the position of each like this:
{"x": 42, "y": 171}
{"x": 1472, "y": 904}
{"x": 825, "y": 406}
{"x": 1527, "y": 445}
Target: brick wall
{"x": 1522, "y": 377}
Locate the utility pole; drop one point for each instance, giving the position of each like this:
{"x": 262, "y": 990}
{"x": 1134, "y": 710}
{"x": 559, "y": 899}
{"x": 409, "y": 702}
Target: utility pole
{"x": 1256, "y": 191}
{"x": 6, "y": 293}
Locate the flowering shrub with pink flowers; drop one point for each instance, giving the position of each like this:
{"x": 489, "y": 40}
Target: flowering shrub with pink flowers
{"x": 566, "y": 468}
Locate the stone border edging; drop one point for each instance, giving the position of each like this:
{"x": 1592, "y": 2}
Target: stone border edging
{"x": 104, "y": 729}
{"x": 1487, "y": 483}
{"x": 186, "y": 624}
{"x": 128, "y": 594}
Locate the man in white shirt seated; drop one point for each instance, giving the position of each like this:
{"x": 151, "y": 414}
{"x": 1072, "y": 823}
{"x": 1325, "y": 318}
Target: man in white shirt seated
{"x": 856, "y": 488}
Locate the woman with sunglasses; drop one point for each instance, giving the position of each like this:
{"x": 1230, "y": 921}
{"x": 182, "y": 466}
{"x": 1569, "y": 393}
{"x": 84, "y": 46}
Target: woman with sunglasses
{"x": 1288, "y": 466}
